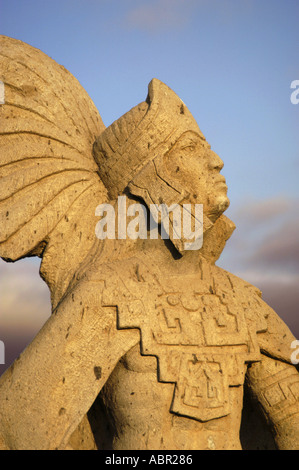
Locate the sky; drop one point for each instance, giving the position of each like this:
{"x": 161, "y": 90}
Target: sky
{"x": 232, "y": 62}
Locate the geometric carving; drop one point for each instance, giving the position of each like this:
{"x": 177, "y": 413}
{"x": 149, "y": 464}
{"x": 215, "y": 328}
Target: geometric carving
{"x": 281, "y": 395}
{"x": 202, "y": 390}
{"x": 202, "y": 342}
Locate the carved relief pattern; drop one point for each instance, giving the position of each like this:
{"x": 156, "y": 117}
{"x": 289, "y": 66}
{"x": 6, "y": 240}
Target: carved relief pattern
{"x": 200, "y": 337}
{"x": 279, "y": 395}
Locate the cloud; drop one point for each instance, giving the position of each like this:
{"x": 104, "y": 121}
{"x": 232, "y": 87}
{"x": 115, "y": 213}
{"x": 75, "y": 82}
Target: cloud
{"x": 153, "y": 16}
{"x": 160, "y": 15}
{"x": 24, "y": 298}
{"x": 280, "y": 250}
{"x": 261, "y": 212}
{"x": 269, "y": 229}
{"x": 24, "y": 306}
{"x": 264, "y": 250}
{"x": 266, "y": 234}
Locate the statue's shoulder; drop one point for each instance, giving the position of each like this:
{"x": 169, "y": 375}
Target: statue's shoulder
{"x": 120, "y": 280}
{"x": 274, "y": 336}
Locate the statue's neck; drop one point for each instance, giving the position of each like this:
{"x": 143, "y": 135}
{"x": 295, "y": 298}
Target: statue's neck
{"x": 162, "y": 254}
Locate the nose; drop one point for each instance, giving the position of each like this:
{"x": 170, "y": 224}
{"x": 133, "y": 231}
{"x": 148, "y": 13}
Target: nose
{"x": 215, "y": 162}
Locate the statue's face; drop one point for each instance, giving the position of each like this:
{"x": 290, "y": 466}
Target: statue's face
{"x": 192, "y": 162}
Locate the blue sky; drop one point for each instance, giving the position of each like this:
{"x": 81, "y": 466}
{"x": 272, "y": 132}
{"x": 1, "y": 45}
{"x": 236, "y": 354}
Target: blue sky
{"x": 232, "y": 63}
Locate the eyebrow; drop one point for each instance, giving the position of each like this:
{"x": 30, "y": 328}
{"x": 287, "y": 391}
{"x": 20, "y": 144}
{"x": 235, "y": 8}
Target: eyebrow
{"x": 187, "y": 140}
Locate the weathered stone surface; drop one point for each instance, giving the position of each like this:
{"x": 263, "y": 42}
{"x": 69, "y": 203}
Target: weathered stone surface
{"x": 150, "y": 344}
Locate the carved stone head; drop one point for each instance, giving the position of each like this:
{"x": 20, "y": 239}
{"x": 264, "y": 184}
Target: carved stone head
{"x": 158, "y": 152}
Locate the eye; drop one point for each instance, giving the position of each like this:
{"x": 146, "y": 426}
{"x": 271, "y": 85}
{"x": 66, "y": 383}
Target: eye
{"x": 190, "y": 148}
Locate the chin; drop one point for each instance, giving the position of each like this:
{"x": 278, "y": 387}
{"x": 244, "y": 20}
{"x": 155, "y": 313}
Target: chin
{"x": 223, "y": 204}
{"x": 218, "y": 207}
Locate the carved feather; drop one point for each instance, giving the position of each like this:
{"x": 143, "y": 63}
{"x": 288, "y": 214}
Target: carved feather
{"x": 49, "y": 185}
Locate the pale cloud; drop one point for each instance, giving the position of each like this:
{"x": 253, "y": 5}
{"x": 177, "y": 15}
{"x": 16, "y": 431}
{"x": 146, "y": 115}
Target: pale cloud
{"x": 264, "y": 251}
{"x": 24, "y": 298}
{"x": 153, "y": 16}
{"x": 281, "y": 249}
{"x": 161, "y": 14}
{"x": 262, "y": 211}
{"x": 24, "y": 306}
{"x": 266, "y": 232}
{"x": 268, "y": 229}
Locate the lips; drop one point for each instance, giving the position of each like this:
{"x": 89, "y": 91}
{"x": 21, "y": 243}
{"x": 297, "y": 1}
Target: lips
{"x": 220, "y": 179}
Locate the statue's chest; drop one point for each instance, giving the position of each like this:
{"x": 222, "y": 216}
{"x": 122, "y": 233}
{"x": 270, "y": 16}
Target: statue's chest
{"x": 201, "y": 339}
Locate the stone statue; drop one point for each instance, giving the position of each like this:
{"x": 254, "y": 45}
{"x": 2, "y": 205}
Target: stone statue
{"x": 149, "y": 345}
